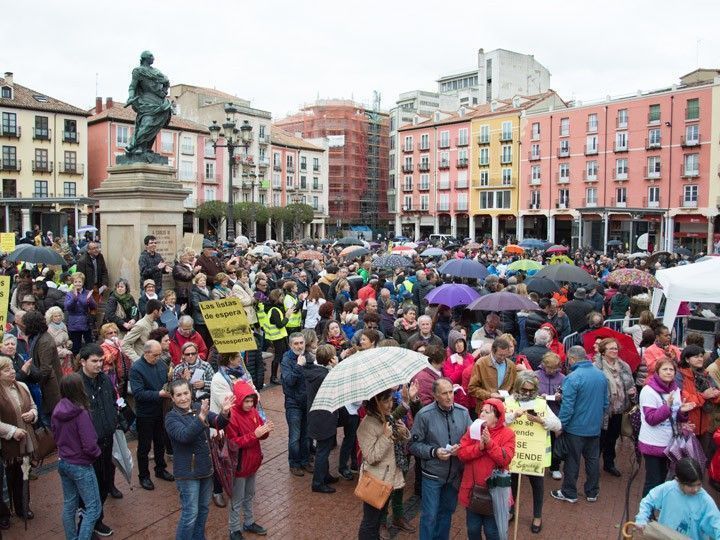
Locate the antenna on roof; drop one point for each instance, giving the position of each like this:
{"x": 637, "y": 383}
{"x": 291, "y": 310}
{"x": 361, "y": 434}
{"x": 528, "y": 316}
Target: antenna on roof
{"x": 97, "y": 83}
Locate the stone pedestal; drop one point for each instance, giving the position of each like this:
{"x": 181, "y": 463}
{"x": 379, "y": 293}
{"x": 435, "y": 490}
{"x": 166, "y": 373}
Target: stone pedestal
{"x": 136, "y": 200}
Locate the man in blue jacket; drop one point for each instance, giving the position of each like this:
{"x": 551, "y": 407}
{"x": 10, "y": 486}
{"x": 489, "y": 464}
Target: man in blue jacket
{"x": 584, "y": 402}
{"x": 295, "y": 390}
{"x": 147, "y": 378}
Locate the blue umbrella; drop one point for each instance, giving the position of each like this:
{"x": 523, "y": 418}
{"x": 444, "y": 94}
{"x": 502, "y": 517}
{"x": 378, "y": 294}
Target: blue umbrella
{"x": 452, "y": 294}
{"x": 464, "y": 268}
{"x": 392, "y": 261}
{"x": 432, "y": 252}
{"x": 533, "y": 243}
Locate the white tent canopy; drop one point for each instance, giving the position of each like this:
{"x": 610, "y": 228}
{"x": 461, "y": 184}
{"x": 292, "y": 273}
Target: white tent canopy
{"x": 697, "y": 282}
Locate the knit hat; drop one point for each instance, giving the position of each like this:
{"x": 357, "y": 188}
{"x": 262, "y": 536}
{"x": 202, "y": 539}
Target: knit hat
{"x": 499, "y": 405}
{"x": 148, "y": 282}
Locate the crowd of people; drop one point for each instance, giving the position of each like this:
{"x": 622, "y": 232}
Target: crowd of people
{"x": 84, "y": 357}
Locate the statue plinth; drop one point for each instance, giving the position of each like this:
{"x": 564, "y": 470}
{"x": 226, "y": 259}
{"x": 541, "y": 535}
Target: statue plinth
{"x": 136, "y": 200}
{"x": 146, "y": 157}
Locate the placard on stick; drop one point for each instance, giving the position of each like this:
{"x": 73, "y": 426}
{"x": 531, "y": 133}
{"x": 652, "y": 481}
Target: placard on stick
{"x": 4, "y": 299}
{"x": 228, "y": 325}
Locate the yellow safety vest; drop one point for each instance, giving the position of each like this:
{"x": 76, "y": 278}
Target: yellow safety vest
{"x": 408, "y": 285}
{"x": 295, "y": 320}
{"x": 272, "y": 332}
{"x": 511, "y": 405}
{"x": 262, "y": 316}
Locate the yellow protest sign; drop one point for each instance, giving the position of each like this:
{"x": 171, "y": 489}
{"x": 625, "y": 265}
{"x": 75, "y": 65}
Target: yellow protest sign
{"x": 7, "y": 242}
{"x": 530, "y": 442}
{"x": 228, "y": 325}
{"x": 4, "y": 299}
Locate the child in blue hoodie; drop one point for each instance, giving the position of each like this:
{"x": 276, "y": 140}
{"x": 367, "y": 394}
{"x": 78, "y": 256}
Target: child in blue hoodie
{"x": 76, "y": 441}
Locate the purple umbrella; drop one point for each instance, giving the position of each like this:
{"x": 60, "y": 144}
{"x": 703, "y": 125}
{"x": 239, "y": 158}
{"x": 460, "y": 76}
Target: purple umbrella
{"x": 464, "y": 268}
{"x": 452, "y": 294}
{"x": 503, "y": 301}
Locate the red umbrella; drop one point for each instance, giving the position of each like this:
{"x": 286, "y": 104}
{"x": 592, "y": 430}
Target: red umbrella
{"x": 557, "y": 249}
{"x": 628, "y": 352}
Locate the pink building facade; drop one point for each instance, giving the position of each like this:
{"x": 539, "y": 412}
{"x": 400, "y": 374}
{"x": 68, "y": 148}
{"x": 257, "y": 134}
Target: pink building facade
{"x": 612, "y": 171}
{"x": 434, "y": 176}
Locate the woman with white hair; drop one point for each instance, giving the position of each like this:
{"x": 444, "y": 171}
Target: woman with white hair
{"x": 55, "y": 319}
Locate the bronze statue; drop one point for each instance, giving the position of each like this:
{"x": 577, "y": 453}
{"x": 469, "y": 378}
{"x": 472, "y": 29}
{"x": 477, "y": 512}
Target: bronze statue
{"x": 148, "y": 98}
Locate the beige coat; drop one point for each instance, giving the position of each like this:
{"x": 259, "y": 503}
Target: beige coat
{"x": 378, "y": 452}
{"x": 135, "y": 339}
{"x": 246, "y": 299}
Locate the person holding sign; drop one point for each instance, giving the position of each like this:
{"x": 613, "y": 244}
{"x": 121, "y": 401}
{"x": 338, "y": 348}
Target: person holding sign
{"x": 532, "y": 420}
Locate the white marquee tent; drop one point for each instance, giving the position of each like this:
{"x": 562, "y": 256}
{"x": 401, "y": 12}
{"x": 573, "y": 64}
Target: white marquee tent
{"x": 697, "y": 282}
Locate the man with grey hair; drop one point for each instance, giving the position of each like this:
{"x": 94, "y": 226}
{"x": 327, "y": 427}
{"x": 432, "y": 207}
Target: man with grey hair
{"x": 584, "y": 402}
{"x": 534, "y": 353}
{"x": 186, "y": 333}
{"x": 424, "y": 334}
{"x": 147, "y": 378}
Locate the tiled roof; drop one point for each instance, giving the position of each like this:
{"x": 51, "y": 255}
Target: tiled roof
{"x": 119, "y": 113}
{"x": 212, "y": 92}
{"x": 280, "y": 137}
{"x": 26, "y": 98}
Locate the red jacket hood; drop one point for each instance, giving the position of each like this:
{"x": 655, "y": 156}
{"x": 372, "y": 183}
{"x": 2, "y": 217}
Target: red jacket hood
{"x": 241, "y": 391}
{"x": 550, "y": 327}
{"x": 500, "y": 406}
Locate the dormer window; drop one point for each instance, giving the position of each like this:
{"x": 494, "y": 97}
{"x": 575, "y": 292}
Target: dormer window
{"x": 437, "y": 116}
{"x": 6, "y": 92}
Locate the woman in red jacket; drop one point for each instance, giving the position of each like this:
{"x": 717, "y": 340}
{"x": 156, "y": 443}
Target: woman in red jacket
{"x": 495, "y": 449}
{"x": 246, "y": 429}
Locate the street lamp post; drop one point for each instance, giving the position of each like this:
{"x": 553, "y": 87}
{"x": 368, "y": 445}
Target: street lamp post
{"x": 251, "y": 184}
{"x": 234, "y": 138}
{"x": 296, "y": 198}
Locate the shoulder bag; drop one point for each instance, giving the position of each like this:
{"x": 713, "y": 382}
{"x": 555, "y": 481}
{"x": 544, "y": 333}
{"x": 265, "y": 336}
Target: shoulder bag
{"x": 372, "y": 490}
{"x": 45, "y": 443}
{"x": 480, "y": 498}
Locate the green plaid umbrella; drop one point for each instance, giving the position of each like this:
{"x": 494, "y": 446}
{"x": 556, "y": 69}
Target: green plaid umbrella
{"x": 365, "y": 374}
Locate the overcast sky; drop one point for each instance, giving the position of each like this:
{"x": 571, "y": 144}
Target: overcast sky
{"x": 281, "y": 54}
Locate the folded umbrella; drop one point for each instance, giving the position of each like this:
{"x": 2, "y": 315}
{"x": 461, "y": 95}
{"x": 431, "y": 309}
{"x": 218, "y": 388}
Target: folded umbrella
{"x": 224, "y": 454}
{"x": 464, "y": 268}
{"x": 452, "y": 294}
{"x": 503, "y": 301}
{"x": 35, "y": 254}
{"x": 365, "y": 374}
{"x": 121, "y": 455}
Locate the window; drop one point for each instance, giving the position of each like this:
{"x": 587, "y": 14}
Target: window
{"x": 653, "y": 167}
{"x": 6, "y": 92}
{"x": 444, "y": 139}
{"x": 210, "y": 171}
{"x": 289, "y": 180}
{"x": 9, "y": 188}
{"x": 564, "y": 198}
{"x": 621, "y": 141}
{"x": 276, "y": 199}
{"x": 506, "y": 134}
{"x": 69, "y": 189}
{"x": 276, "y": 160}
{"x": 187, "y": 146}
{"x": 462, "y": 179}
{"x": 591, "y": 144}
{"x": 621, "y": 196}
{"x": 9, "y": 124}
{"x": 564, "y": 147}
{"x": 535, "y": 198}
{"x": 564, "y": 127}
{"x": 316, "y": 182}
{"x": 484, "y": 134}
{"x": 591, "y": 196}
{"x": 443, "y": 203}
{"x": 654, "y": 196}
{"x": 535, "y": 174}
{"x": 621, "y": 169}
{"x": 303, "y": 180}
{"x": 262, "y": 154}
{"x": 444, "y": 180}
{"x": 592, "y": 122}
{"x": 690, "y": 196}
{"x": 564, "y": 173}
{"x": 209, "y": 149}
{"x": 487, "y": 199}
{"x": 535, "y": 131}
{"x": 462, "y": 156}
{"x": 9, "y": 157}
{"x": 507, "y": 177}
{"x": 692, "y": 112}
{"x": 462, "y": 202}
{"x": 502, "y": 199}
{"x": 463, "y": 137}
{"x": 408, "y": 186}
{"x": 484, "y": 178}
{"x": 591, "y": 170}
{"x": 408, "y": 164}
{"x": 622, "y": 118}
{"x": 70, "y": 161}
{"x": 484, "y": 156}
{"x": 424, "y": 141}
{"x": 186, "y": 170}
{"x": 654, "y": 138}
{"x": 41, "y": 160}
{"x": 692, "y": 135}
{"x": 315, "y": 202}
{"x": 303, "y": 163}
{"x": 691, "y": 165}
{"x": 122, "y": 136}
{"x": 209, "y": 193}
{"x": 424, "y": 202}
{"x": 444, "y": 161}
{"x": 424, "y": 182}
{"x": 654, "y": 114}
{"x": 535, "y": 151}
{"x": 407, "y": 202}
{"x": 41, "y": 128}
{"x": 261, "y": 131}
{"x": 167, "y": 142}
{"x": 506, "y": 153}
{"x": 276, "y": 181}
{"x": 408, "y": 146}
{"x": 41, "y": 188}
{"x": 289, "y": 161}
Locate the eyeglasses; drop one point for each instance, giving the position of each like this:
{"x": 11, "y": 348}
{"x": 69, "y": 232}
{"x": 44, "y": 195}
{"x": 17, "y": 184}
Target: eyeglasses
{"x": 111, "y": 332}
{"x": 190, "y": 354}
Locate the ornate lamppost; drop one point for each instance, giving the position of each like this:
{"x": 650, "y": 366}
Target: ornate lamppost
{"x": 234, "y": 138}
{"x": 296, "y": 198}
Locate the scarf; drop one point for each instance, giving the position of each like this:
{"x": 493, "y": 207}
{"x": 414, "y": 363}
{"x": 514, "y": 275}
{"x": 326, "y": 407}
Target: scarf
{"x": 408, "y": 327}
{"x": 702, "y": 381}
{"x": 15, "y": 400}
{"x": 337, "y": 341}
{"x": 223, "y": 290}
{"x": 616, "y": 388}
{"x": 126, "y": 301}
{"x": 57, "y": 327}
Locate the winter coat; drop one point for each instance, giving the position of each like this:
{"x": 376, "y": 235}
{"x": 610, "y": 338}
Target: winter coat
{"x": 74, "y": 434}
{"x": 189, "y": 437}
{"x": 103, "y": 410}
{"x": 85, "y": 265}
{"x": 418, "y": 338}
{"x": 245, "y": 295}
{"x": 183, "y": 275}
{"x": 111, "y": 313}
{"x": 424, "y": 381}
{"x": 78, "y": 309}
{"x": 714, "y": 469}
{"x": 241, "y": 431}
{"x": 209, "y": 266}
{"x": 197, "y": 296}
{"x": 177, "y": 340}
{"x": 480, "y": 460}
{"x": 484, "y": 380}
{"x": 136, "y": 337}
{"x": 148, "y": 265}
{"x": 293, "y": 381}
{"x": 577, "y": 311}
{"x": 706, "y": 414}
{"x": 378, "y": 452}
{"x": 548, "y": 385}
{"x": 45, "y": 357}
{"x": 402, "y": 333}
{"x": 320, "y": 424}
{"x": 585, "y": 400}
{"x": 534, "y": 355}
{"x": 146, "y": 381}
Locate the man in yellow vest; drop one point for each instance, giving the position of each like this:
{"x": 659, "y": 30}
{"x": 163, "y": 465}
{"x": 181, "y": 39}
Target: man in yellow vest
{"x": 294, "y": 304}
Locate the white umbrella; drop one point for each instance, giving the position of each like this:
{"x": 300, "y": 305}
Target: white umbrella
{"x": 262, "y": 250}
{"x": 86, "y": 228}
{"x": 365, "y": 374}
{"x": 121, "y": 455}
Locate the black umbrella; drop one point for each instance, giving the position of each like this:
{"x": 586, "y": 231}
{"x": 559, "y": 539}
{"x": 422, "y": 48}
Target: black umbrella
{"x": 35, "y": 254}
{"x": 542, "y": 286}
{"x": 682, "y": 251}
{"x": 615, "y": 243}
{"x": 357, "y": 253}
{"x": 565, "y": 272}
{"x": 349, "y": 242}
{"x": 392, "y": 261}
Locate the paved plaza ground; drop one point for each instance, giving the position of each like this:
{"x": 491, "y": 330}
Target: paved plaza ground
{"x": 285, "y": 505}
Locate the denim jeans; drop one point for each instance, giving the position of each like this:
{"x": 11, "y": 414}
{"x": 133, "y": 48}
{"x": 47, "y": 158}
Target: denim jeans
{"x": 476, "y": 523}
{"x": 656, "y": 470}
{"x": 241, "y": 503}
{"x": 589, "y": 449}
{"x": 438, "y": 504}
{"x": 347, "y": 449}
{"x": 195, "y": 500}
{"x": 79, "y": 481}
{"x": 298, "y": 446}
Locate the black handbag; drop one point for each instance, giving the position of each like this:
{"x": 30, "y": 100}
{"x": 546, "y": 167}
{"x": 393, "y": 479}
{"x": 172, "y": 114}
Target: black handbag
{"x": 481, "y": 501}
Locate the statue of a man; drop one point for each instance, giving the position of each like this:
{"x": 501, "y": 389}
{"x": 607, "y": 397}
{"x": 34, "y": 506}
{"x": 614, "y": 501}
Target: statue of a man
{"x": 148, "y": 98}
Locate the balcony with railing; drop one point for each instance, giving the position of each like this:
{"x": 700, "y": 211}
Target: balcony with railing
{"x": 563, "y": 151}
{"x": 443, "y": 143}
{"x": 443, "y": 186}
{"x": 652, "y": 173}
{"x": 533, "y": 205}
{"x": 462, "y": 163}
{"x": 652, "y": 144}
{"x": 264, "y": 139}
{"x": 277, "y": 166}
{"x": 303, "y": 167}
{"x": 687, "y": 203}
{"x": 591, "y": 127}
{"x": 423, "y": 146}
{"x": 618, "y": 204}
{"x": 461, "y": 206}
{"x": 10, "y": 132}
{"x": 589, "y": 177}
{"x": 408, "y": 148}
{"x": 653, "y": 119}
{"x": 562, "y": 179}
{"x": 506, "y": 159}
{"x": 41, "y": 134}
{"x": 686, "y": 142}
{"x": 42, "y": 166}
{"x": 70, "y": 137}
{"x": 317, "y": 187}
{"x": 534, "y": 181}
{"x": 316, "y": 168}
{"x": 461, "y": 184}
{"x": 423, "y": 166}
{"x": 483, "y": 139}
{"x": 651, "y": 204}
{"x": 532, "y": 156}
{"x": 621, "y": 122}
{"x": 444, "y": 164}
{"x": 562, "y": 204}
{"x": 263, "y": 163}
{"x": 534, "y": 135}
{"x": 688, "y": 173}
{"x": 319, "y": 209}
{"x": 407, "y": 187}
{"x": 589, "y": 203}
{"x": 11, "y": 165}
{"x": 461, "y": 141}
{"x": 620, "y": 147}
{"x": 590, "y": 150}
{"x": 187, "y": 149}
{"x": 71, "y": 168}
{"x": 443, "y": 206}
{"x": 212, "y": 178}
{"x": 505, "y": 136}
{"x": 483, "y": 162}
{"x": 424, "y": 186}
{"x": 620, "y": 174}
{"x": 290, "y": 168}
{"x": 407, "y": 168}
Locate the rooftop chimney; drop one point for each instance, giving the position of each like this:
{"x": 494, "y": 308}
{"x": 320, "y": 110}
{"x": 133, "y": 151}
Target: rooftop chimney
{"x": 9, "y": 77}
{"x": 108, "y": 103}
{"x": 98, "y": 105}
